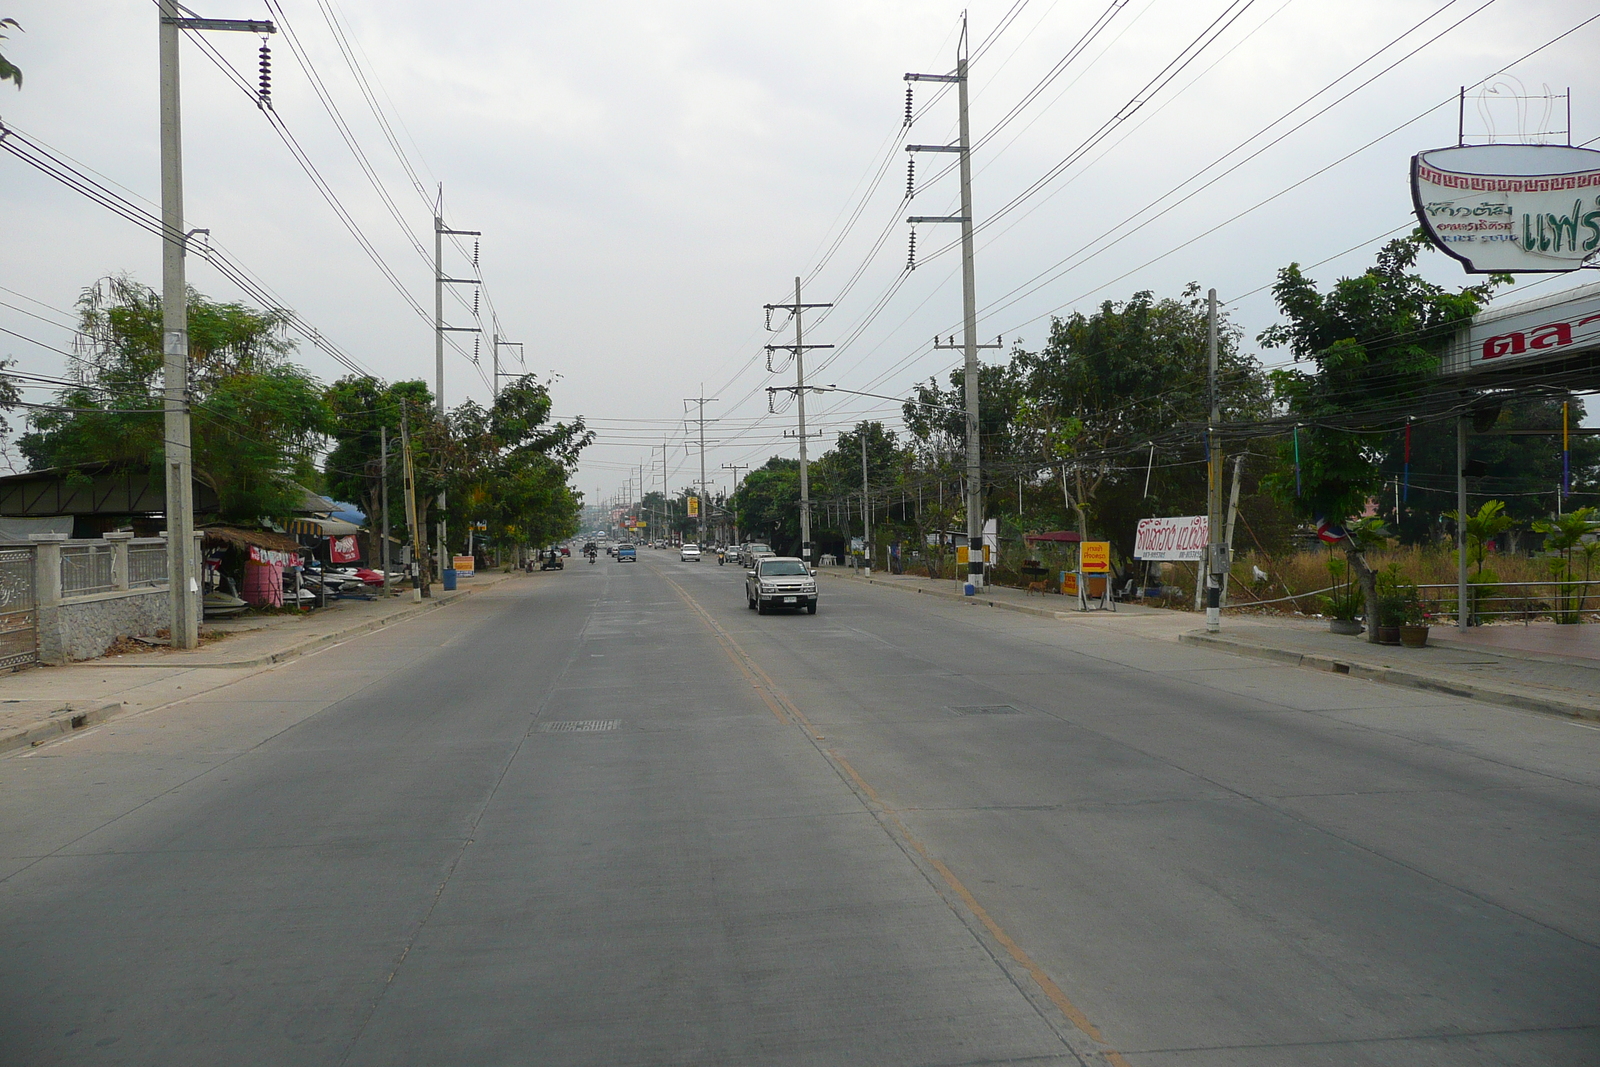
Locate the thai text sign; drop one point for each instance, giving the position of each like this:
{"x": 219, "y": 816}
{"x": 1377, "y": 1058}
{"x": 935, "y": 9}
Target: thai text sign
{"x": 694, "y": 507}
{"x": 1160, "y": 539}
{"x": 1095, "y": 557}
{"x": 1550, "y": 327}
{"x": 1510, "y": 207}
{"x": 465, "y": 566}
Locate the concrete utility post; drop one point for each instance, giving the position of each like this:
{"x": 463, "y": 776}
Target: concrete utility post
{"x": 969, "y": 299}
{"x": 1216, "y": 548}
{"x": 738, "y": 479}
{"x": 1463, "y": 611}
{"x": 182, "y": 553}
{"x": 702, "y": 400}
{"x": 383, "y": 465}
{"x": 800, "y": 389}
{"x": 866, "y": 505}
{"x": 439, "y": 330}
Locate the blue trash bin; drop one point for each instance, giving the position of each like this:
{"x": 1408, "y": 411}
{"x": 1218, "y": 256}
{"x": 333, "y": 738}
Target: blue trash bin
{"x": 449, "y": 579}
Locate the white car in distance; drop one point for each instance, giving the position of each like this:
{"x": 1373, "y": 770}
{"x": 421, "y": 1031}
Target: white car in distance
{"x": 689, "y": 553}
{"x": 780, "y": 582}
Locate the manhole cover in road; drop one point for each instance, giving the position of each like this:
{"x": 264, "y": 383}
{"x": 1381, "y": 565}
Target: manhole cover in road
{"x": 987, "y": 709}
{"x": 592, "y": 726}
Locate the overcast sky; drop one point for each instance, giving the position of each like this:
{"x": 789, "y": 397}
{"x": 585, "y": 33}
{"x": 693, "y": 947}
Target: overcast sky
{"x": 647, "y": 175}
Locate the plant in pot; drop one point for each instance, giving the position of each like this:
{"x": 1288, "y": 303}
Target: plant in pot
{"x": 1342, "y": 606}
{"x": 1414, "y": 623}
{"x": 1392, "y": 599}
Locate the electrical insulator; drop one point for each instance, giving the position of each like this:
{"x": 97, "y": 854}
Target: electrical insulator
{"x": 908, "y": 103}
{"x": 769, "y": 320}
{"x": 911, "y": 257}
{"x": 265, "y": 92}
{"x": 475, "y": 293}
{"x": 474, "y": 252}
{"x": 911, "y": 177}
{"x": 475, "y": 342}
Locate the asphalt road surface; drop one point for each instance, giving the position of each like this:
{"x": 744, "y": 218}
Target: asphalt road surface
{"x": 607, "y": 816}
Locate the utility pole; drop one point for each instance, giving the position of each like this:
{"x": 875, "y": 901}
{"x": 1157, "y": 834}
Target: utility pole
{"x": 969, "y": 297}
{"x": 739, "y": 478}
{"x": 702, "y": 400}
{"x": 495, "y": 346}
{"x": 182, "y": 573}
{"x": 383, "y": 465}
{"x": 440, "y": 329}
{"x": 419, "y": 583}
{"x": 799, "y": 348}
{"x": 1216, "y": 549}
{"x": 866, "y": 504}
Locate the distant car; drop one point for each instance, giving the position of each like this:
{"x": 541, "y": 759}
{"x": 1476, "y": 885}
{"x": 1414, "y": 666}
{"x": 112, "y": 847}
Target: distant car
{"x": 755, "y": 551}
{"x": 627, "y": 554}
{"x": 780, "y": 582}
{"x": 689, "y": 553}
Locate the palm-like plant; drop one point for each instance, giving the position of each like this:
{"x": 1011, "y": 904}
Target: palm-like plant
{"x": 1569, "y": 537}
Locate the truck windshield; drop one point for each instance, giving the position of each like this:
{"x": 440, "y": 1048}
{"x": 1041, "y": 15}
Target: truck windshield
{"x": 783, "y": 567}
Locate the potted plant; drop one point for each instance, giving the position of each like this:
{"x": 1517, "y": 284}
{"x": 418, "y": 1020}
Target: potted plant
{"x": 1342, "y": 606}
{"x": 1392, "y": 600}
{"x": 1414, "y": 623}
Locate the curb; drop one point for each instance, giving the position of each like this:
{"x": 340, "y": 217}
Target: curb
{"x": 1397, "y": 676}
{"x": 310, "y": 644}
{"x": 62, "y": 720}
{"x": 1006, "y": 605}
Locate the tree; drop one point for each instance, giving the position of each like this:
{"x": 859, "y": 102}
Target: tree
{"x": 768, "y": 503}
{"x": 257, "y": 418}
{"x": 1108, "y": 385}
{"x": 1373, "y": 342}
{"x": 9, "y": 71}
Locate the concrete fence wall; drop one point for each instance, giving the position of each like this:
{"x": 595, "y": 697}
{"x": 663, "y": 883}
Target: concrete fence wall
{"x": 83, "y": 610}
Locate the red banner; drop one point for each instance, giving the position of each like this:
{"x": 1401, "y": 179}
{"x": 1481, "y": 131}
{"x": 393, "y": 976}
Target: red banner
{"x": 344, "y": 549}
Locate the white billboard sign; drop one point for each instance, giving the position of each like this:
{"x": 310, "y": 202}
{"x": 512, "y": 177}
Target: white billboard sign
{"x": 1551, "y": 327}
{"x": 1515, "y": 208}
{"x": 1163, "y": 539}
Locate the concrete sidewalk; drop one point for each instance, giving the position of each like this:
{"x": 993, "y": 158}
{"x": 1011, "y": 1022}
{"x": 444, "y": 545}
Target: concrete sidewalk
{"x": 1540, "y": 667}
{"x": 1511, "y": 669}
{"x": 42, "y": 703}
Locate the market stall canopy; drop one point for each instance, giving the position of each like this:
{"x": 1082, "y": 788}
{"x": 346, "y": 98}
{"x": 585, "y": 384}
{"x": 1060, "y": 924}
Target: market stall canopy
{"x": 236, "y": 537}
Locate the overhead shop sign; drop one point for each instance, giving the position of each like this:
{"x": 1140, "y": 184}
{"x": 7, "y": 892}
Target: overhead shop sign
{"x": 1513, "y": 208}
{"x": 1166, "y": 539}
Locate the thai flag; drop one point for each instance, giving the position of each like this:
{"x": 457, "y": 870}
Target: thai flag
{"x": 1330, "y": 532}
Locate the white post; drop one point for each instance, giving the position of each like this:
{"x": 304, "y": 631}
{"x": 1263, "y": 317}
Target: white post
{"x": 175, "y": 344}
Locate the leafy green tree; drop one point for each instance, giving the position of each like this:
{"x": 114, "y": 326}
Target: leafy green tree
{"x": 767, "y": 504}
{"x": 257, "y": 418}
{"x": 1371, "y": 344}
{"x": 9, "y": 71}
{"x": 1108, "y": 385}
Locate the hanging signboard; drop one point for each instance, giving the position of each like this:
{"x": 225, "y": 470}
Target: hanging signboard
{"x": 344, "y": 549}
{"x": 274, "y": 557}
{"x": 1095, "y": 557}
{"x": 1513, "y": 208}
{"x": 1164, "y": 539}
{"x": 694, "y": 507}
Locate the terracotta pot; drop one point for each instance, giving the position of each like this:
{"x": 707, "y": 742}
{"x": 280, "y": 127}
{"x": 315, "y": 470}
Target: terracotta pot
{"x": 1414, "y": 636}
{"x": 1388, "y": 635}
{"x": 1348, "y": 627}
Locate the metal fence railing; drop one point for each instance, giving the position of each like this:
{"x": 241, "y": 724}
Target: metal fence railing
{"x": 86, "y": 569}
{"x": 1524, "y": 601}
{"x": 147, "y": 563}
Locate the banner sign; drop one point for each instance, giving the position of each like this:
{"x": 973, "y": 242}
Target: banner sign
{"x": 274, "y": 557}
{"x": 1168, "y": 539}
{"x": 1095, "y": 557}
{"x": 694, "y": 507}
{"x": 344, "y": 549}
{"x": 1516, "y": 208}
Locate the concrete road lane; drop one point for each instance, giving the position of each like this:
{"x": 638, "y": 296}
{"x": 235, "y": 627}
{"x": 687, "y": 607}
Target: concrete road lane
{"x": 609, "y": 816}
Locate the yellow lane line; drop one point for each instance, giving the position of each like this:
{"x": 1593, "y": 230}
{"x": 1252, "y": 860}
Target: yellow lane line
{"x": 779, "y": 702}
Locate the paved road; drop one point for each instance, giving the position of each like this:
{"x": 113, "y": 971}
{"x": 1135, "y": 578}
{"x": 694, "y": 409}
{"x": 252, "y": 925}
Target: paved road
{"x": 610, "y": 817}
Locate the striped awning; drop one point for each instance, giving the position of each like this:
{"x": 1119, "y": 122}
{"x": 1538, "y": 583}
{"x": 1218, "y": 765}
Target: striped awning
{"x": 323, "y": 527}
